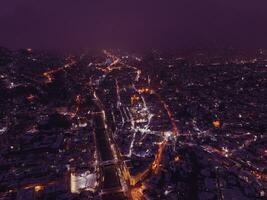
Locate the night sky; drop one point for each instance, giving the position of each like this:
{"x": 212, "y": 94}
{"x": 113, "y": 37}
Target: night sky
{"x": 133, "y": 23}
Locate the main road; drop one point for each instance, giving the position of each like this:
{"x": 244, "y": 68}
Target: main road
{"x": 113, "y": 185}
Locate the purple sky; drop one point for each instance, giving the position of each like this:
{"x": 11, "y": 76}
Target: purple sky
{"x": 133, "y": 23}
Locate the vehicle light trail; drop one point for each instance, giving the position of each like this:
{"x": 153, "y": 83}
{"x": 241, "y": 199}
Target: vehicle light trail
{"x": 156, "y": 164}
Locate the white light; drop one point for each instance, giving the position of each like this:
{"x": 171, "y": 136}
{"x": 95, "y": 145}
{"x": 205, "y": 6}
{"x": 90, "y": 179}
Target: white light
{"x": 83, "y": 181}
{"x": 3, "y": 130}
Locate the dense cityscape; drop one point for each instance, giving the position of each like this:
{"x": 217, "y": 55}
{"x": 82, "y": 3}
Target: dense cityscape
{"x": 117, "y": 125}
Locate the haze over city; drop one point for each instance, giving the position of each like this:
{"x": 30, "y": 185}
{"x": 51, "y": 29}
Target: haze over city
{"x": 173, "y": 24}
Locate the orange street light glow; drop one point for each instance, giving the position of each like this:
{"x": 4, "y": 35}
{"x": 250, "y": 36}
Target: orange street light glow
{"x": 216, "y": 124}
{"x": 38, "y": 188}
